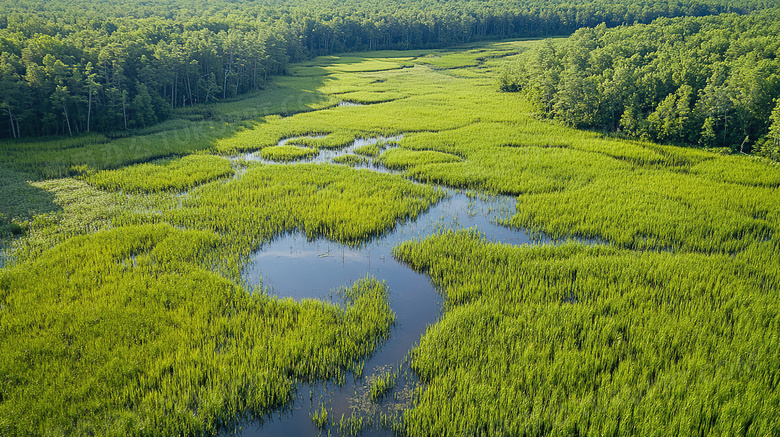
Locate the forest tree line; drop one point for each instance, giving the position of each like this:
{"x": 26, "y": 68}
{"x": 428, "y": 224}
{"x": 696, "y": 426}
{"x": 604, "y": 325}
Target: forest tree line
{"x": 709, "y": 81}
{"x": 65, "y": 69}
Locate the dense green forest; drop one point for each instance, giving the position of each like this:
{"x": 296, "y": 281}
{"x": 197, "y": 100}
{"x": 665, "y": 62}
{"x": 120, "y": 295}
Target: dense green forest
{"x": 65, "y": 69}
{"x": 708, "y": 81}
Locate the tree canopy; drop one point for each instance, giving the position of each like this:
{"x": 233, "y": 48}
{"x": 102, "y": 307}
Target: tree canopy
{"x": 709, "y": 81}
{"x": 65, "y": 68}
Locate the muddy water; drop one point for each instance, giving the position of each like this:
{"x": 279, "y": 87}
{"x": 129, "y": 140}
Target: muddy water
{"x": 291, "y": 266}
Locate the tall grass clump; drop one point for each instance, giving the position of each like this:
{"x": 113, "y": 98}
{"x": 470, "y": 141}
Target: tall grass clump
{"x": 369, "y": 150}
{"x": 329, "y": 201}
{"x": 287, "y": 153}
{"x": 596, "y": 340}
{"x": 350, "y": 159}
{"x": 382, "y": 385}
{"x": 167, "y": 174}
{"x": 123, "y": 332}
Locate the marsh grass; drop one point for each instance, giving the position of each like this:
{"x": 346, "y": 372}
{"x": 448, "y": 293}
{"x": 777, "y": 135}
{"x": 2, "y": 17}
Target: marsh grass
{"x": 319, "y": 200}
{"x": 350, "y": 159}
{"x": 335, "y": 140}
{"x": 287, "y": 153}
{"x": 401, "y": 159}
{"x": 56, "y": 158}
{"x": 382, "y": 385}
{"x": 320, "y": 417}
{"x": 120, "y": 313}
{"x": 78, "y": 209}
{"x": 369, "y": 150}
{"x": 166, "y": 346}
{"x": 566, "y": 339}
{"x": 163, "y": 175}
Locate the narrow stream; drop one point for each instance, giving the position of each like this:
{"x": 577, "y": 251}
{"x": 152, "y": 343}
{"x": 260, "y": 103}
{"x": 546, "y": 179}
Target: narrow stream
{"x": 292, "y": 266}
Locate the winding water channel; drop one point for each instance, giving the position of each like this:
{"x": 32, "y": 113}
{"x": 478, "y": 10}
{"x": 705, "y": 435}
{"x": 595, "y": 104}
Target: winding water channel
{"x": 292, "y": 266}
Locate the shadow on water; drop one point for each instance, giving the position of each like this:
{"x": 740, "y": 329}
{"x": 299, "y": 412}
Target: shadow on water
{"x": 292, "y": 266}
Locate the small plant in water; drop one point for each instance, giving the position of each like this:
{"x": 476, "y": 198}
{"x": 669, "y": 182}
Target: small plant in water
{"x": 320, "y": 418}
{"x": 382, "y": 385}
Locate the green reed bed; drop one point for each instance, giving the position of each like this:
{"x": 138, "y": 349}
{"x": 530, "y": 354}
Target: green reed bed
{"x": 276, "y": 99}
{"x": 72, "y": 207}
{"x": 287, "y": 153}
{"x": 400, "y": 159}
{"x": 168, "y": 174}
{"x": 511, "y": 170}
{"x": 55, "y": 158}
{"x": 122, "y": 332}
{"x": 370, "y": 150}
{"x": 320, "y": 200}
{"x": 382, "y": 385}
{"x": 572, "y": 339}
{"x": 372, "y": 97}
{"x": 739, "y": 170}
{"x": 335, "y": 140}
{"x": 657, "y": 209}
{"x": 350, "y": 159}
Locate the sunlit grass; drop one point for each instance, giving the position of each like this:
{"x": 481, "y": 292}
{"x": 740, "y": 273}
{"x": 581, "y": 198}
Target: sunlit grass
{"x": 350, "y": 159}
{"x": 169, "y": 174}
{"x": 572, "y": 338}
{"x": 287, "y": 153}
{"x": 400, "y": 159}
{"x": 124, "y": 333}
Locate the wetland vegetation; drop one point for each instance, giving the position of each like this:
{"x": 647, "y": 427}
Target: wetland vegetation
{"x": 134, "y": 297}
